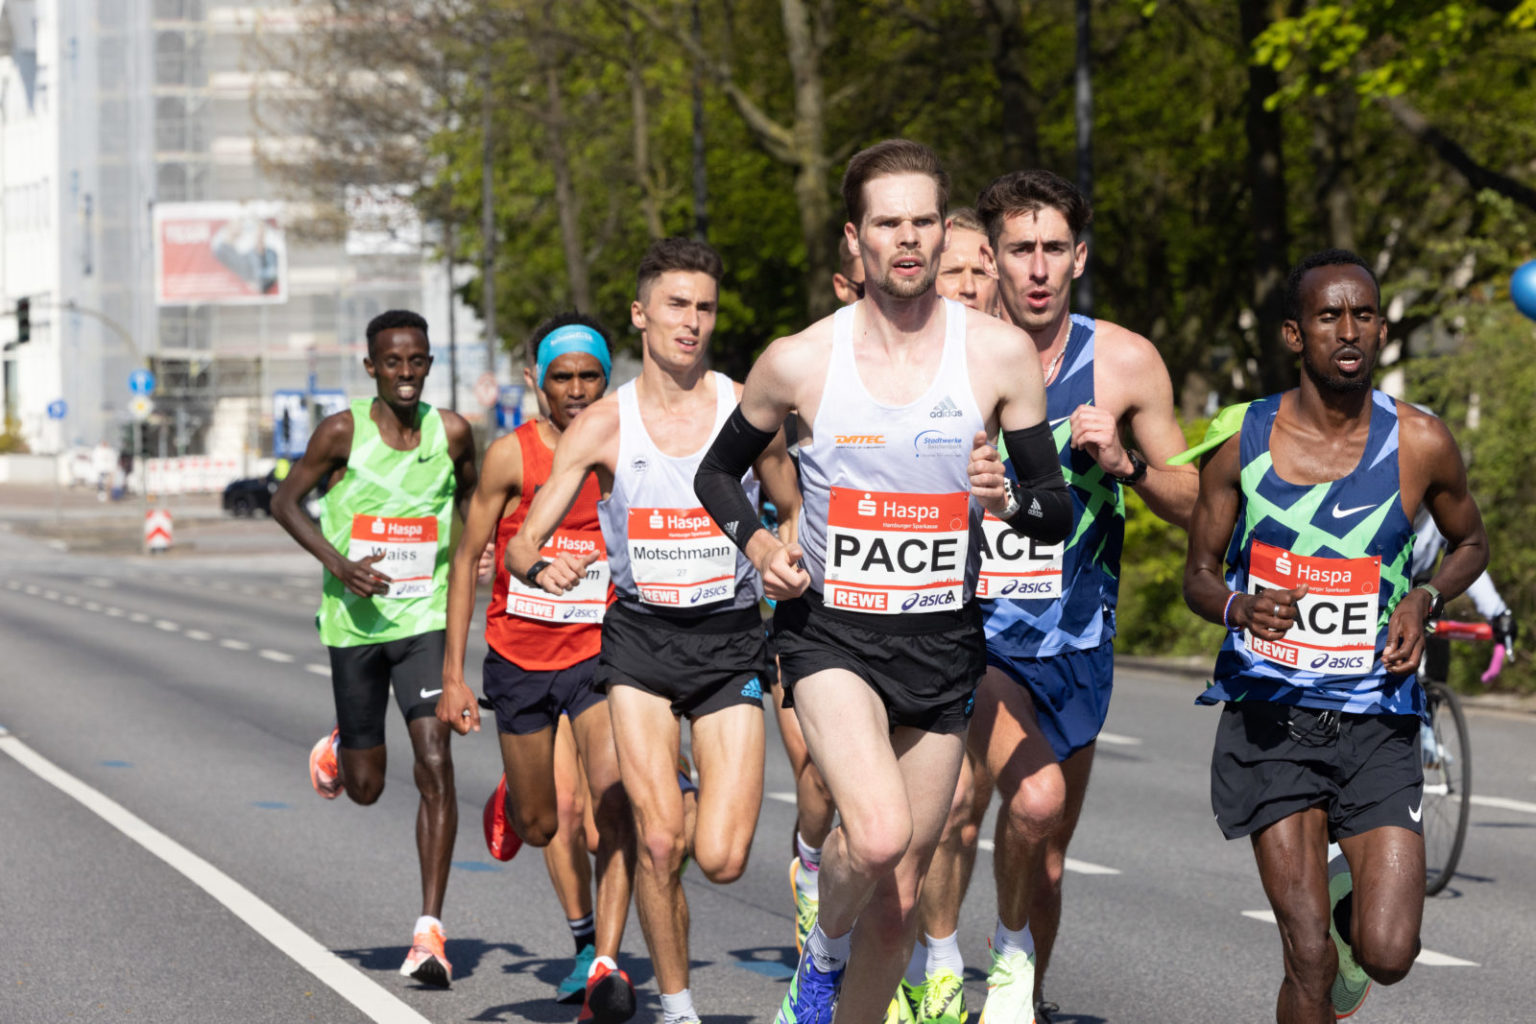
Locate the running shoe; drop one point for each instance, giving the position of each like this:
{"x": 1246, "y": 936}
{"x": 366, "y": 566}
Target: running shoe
{"x": 900, "y": 1010}
{"x": 501, "y": 839}
{"x": 1010, "y": 990}
{"x": 610, "y": 997}
{"x": 1351, "y": 984}
{"x": 1045, "y": 1012}
{"x": 324, "y": 772}
{"x": 943, "y": 999}
{"x": 426, "y": 962}
{"x": 812, "y": 994}
{"x": 805, "y": 905}
{"x": 573, "y": 989}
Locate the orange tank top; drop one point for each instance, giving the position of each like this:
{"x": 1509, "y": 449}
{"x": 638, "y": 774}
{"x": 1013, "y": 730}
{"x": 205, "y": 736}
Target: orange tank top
{"x": 530, "y": 628}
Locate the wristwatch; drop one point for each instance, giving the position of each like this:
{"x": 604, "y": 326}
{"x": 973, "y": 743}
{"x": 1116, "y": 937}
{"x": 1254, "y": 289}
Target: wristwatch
{"x": 532, "y": 575}
{"x": 1012, "y": 508}
{"x": 1436, "y": 601}
{"x": 1138, "y": 471}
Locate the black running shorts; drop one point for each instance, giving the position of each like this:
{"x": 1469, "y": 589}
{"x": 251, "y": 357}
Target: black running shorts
{"x": 701, "y": 664}
{"x": 924, "y": 667}
{"x": 360, "y": 679}
{"x": 527, "y": 701}
{"x": 1272, "y": 760}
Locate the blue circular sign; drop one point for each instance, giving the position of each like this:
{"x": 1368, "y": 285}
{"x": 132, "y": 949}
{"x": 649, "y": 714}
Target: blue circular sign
{"x": 57, "y": 409}
{"x": 141, "y": 382}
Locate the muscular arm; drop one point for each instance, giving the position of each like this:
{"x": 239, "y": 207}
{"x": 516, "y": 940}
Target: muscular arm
{"x": 327, "y": 452}
{"x": 585, "y": 446}
{"x": 500, "y": 483}
{"x": 461, "y": 449}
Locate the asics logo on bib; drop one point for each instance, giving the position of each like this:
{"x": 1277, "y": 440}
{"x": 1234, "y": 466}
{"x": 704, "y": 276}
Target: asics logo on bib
{"x": 1336, "y": 661}
{"x": 710, "y": 593}
{"x": 928, "y": 601}
{"x": 946, "y": 409}
{"x": 1024, "y": 588}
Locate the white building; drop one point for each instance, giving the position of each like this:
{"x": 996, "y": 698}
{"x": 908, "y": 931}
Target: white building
{"x": 110, "y": 110}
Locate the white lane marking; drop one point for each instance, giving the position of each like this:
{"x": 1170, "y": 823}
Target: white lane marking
{"x": 1114, "y": 739}
{"x": 100, "y": 581}
{"x": 783, "y": 798}
{"x": 234, "y": 645}
{"x": 51, "y": 595}
{"x": 318, "y": 669}
{"x": 167, "y": 625}
{"x": 1427, "y": 957}
{"x": 197, "y": 634}
{"x": 138, "y": 617}
{"x": 252, "y": 591}
{"x": 92, "y": 606}
{"x": 278, "y": 656}
{"x": 341, "y": 977}
{"x": 12, "y": 585}
{"x": 33, "y": 589}
{"x": 1504, "y": 803}
{"x": 71, "y": 600}
{"x": 114, "y": 612}
{"x": 278, "y": 595}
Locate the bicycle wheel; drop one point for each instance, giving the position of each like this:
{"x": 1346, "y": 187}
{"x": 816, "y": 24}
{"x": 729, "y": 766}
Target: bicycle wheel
{"x": 1446, "y": 751}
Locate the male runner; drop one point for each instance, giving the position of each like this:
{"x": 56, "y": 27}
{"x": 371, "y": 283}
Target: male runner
{"x": 1050, "y": 655}
{"x": 967, "y": 272}
{"x": 397, "y": 467}
{"x": 1311, "y": 506}
{"x": 542, "y": 658}
{"x": 878, "y": 640}
{"x": 685, "y": 636}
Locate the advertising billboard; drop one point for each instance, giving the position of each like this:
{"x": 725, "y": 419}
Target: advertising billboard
{"x": 220, "y": 254}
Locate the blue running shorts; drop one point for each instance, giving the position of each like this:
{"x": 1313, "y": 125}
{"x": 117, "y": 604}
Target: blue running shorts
{"x": 1070, "y": 690}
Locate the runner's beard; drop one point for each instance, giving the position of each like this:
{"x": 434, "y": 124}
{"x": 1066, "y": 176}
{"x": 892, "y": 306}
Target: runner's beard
{"x": 1334, "y": 383}
{"x": 908, "y": 288}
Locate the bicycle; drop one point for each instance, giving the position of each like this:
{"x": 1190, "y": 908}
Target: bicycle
{"x": 1447, "y": 754}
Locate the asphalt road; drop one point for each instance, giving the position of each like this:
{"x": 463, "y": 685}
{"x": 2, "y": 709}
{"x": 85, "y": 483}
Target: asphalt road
{"x": 163, "y": 858}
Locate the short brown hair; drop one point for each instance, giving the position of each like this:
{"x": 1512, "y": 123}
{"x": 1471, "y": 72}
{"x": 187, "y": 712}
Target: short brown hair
{"x": 1029, "y": 192}
{"x": 965, "y": 219}
{"x": 893, "y": 156}
{"x": 677, "y": 253}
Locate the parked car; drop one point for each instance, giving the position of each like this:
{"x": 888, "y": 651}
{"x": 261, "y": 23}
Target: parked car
{"x": 252, "y": 496}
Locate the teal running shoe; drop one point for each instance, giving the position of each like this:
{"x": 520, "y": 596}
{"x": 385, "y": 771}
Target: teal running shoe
{"x": 574, "y": 986}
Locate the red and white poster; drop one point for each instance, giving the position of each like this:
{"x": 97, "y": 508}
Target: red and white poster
{"x": 219, "y": 254}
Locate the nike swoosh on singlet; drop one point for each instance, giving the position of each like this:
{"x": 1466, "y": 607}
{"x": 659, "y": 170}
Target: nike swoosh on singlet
{"x": 433, "y": 693}
{"x": 425, "y": 458}
{"x": 1340, "y": 513}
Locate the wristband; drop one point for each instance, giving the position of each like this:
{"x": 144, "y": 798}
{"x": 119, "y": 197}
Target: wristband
{"x": 1227, "y": 608}
{"x": 1138, "y": 471}
{"x": 532, "y": 575}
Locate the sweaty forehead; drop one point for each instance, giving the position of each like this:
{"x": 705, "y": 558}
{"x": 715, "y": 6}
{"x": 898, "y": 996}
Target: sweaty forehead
{"x": 901, "y": 195}
{"x": 1344, "y": 284}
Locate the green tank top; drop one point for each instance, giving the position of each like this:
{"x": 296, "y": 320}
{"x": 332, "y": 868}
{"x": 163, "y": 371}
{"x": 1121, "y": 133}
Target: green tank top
{"x": 400, "y": 503}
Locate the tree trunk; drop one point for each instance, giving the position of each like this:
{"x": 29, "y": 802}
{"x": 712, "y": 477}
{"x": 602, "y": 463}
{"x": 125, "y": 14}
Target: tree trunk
{"x": 566, "y": 201}
{"x": 1020, "y": 105}
{"x": 1266, "y": 183}
{"x": 640, "y": 111}
{"x": 812, "y": 164}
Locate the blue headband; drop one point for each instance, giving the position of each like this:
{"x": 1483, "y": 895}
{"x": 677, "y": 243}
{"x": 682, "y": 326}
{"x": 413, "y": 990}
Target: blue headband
{"x": 573, "y": 338}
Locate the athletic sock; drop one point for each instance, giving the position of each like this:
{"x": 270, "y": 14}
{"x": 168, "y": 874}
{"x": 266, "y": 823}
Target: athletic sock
{"x": 583, "y": 931}
{"x": 917, "y": 966}
{"x": 424, "y": 923}
{"x": 678, "y": 1007}
{"x": 828, "y": 953}
{"x": 944, "y": 954}
{"x": 810, "y": 855}
{"x": 1007, "y": 941}
{"x": 606, "y": 961}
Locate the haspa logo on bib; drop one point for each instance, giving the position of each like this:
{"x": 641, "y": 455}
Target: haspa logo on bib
{"x": 932, "y": 444}
{"x": 377, "y": 526}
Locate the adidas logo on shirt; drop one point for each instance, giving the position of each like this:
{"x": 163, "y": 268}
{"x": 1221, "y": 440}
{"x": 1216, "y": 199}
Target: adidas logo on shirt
{"x": 1035, "y": 509}
{"x": 945, "y": 409}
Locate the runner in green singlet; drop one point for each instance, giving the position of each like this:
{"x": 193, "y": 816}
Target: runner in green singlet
{"x": 397, "y": 467}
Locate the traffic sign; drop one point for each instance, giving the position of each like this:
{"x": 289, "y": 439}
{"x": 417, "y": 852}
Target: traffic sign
{"x": 157, "y": 529}
{"x": 141, "y": 382}
{"x": 140, "y": 407}
{"x": 486, "y": 390}
{"x": 57, "y": 409}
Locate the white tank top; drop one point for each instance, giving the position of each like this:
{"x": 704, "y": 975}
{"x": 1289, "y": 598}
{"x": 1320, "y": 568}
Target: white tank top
{"x": 887, "y": 516}
{"x": 663, "y": 549}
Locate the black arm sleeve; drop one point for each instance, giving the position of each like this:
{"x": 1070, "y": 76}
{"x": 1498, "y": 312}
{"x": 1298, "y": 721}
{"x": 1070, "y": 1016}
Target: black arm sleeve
{"x": 718, "y": 481}
{"x": 1045, "y": 504}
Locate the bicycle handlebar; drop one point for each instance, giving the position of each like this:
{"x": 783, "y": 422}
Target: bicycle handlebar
{"x": 1495, "y": 666}
{"x": 1463, "y": 630}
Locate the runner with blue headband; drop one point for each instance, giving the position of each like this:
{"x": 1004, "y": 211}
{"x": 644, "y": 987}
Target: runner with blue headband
{"x": 573, "y": 338}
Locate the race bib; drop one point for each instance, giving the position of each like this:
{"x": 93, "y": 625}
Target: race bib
{"x": 679, "y": 558}
{"x": 583, "y": 603}
{"x": 892, "y": 553}
{"x": 409, "y": 547}
{"x": 1015, "y": 566}
{"x": 1335, "y": 630}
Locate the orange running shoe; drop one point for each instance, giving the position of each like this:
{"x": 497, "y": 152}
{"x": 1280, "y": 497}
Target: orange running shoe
{"x": 324, "y": 772}
{"x": 610, "y": 996}
{"x": 426, "y": 962}
{"x": 500, "y": 837}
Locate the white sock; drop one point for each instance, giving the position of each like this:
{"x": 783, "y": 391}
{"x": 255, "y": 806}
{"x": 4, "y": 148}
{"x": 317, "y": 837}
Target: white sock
{"x": 829, "y": 954}
{"x": 810, "y": 855}
{"x": 1007, "y": 942}
{"x": 424, "y": 923}
{"x": 944, "y": 954}
{"x": 678, "y": 1007}
{"x": 606, "y": 961}
{"x": 917, "y": 965}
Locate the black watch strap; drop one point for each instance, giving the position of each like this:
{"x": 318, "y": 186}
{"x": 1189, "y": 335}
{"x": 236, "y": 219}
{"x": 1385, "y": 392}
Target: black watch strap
{"x": 1436, "y": 601}
{"x": 1138, "y": 471}
{"x": 532, "y": 575}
